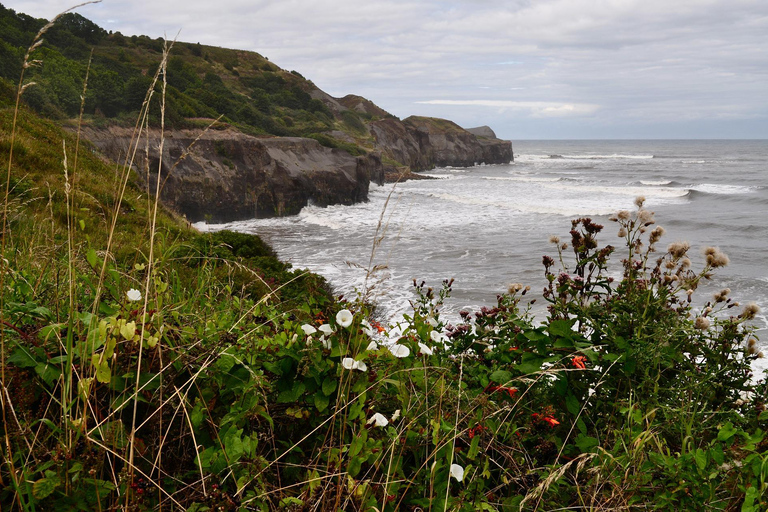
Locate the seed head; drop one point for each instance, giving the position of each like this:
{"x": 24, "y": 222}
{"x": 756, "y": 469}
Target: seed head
{"x": 656, "y": 234}
{"x": 715, "y": 257}
{"x": 678, "y": 249}
{"x": 645, "y": 217}
{"x": 514, "y": 288}
{"x": 750, "y": 310}
{"x": 622, "y": 233}
{"x": 554, "y": 239}
{"x": 722, "y": 295}
{"x": 624, "y": 215}
{"x": 639, "y": 201}
{"x": 701, "y": 323}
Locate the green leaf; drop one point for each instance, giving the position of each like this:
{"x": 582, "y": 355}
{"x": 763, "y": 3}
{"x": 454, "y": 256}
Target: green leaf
{"x": 749, "y": 500}
{"x": 726, "y": 432}
{"x": 561, "y": 328}
{"x": 45, "y": 486}
{"x": 701, "y": 459}
{"x": 531, "y": 363}
{"x": 103, "y": 372}
{"x": 474, "y": 448}
{"x": 501, "y": 377}
{"x": 321, "y": 401}
{"x": 22, "y": 358}
{"x": 356, "y": 445}
{"x": 536, "y": 335}
{"x": 354, "y": 466}
{"x": 573, "y": 404}
{"x": 329, "y": 385}
{"x": 48, "y": 372}
{"x": 93, "y": 259}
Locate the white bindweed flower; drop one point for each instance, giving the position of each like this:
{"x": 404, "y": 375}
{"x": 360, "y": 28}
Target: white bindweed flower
{"x": 396, "y": 415}
{"x": 344, "y": 318}
{"x": 308, "y": 329}
{"x": 378, "y": 420}
{"x": 399, "y": 350}
{"x": 372, "y": 346}
{"x": 326, "y": 329}
{"x": 351, "y": 364}
{"x": 133, "y": 295}
{"x": 438, "y": 337}
{"x": 326, "y": 342}
{"x": 431, "y": 321}
{"x": 367, "y": 329}
{"x": 423, "y": 349}
{"x": 457, "y": 472}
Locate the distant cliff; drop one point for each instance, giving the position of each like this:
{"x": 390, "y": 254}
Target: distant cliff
{"x": 229, "y": 176}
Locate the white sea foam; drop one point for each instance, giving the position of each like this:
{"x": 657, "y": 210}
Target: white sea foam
{"x": 315, "y": 215}
{"x": 655, "y": 182}
{"x": 527, "y": 179}
{"x": 525, "y": 158}
{"x": 713, "y": 188}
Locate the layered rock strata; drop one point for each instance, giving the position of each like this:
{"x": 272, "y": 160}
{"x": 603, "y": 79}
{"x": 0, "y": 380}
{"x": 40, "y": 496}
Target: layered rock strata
{"x": 226, "y": 175}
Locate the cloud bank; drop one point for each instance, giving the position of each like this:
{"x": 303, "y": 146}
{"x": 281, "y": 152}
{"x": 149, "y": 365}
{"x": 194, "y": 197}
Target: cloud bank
{"x": 544, "y": 69}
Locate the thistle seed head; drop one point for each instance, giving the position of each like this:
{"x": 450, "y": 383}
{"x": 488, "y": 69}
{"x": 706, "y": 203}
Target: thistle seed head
{"x": 701, "y": 323}
{"x": 715, "y": 257}
{"x": 750, "y": 310}
{"x": 722, "y": 295}
{"x": 678, "y": 249}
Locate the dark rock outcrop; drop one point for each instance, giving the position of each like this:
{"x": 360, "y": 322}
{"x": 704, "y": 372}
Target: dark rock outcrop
{"x": 482, "y": 131}
{"x": 229, "y": 176}
{"x": 422, "y": 143}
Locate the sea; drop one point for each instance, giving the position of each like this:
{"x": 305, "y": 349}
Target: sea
{"x": 489, "y": 225}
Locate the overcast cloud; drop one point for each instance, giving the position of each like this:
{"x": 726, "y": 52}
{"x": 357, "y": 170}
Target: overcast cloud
{"x": 528, "y": 68}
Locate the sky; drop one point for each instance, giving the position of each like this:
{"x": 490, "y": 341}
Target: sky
{"x": 529, "y": 69}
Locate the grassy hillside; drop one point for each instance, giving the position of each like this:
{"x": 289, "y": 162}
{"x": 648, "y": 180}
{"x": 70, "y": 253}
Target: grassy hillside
{"x": 205, "y": 82}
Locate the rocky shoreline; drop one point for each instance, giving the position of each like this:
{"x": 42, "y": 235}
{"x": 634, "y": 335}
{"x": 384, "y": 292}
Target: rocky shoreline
{"x": 225, "y": 175}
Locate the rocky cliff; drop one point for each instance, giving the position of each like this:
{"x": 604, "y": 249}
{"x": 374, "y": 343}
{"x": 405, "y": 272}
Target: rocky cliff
{"x": 227, "y": 175}
{"x": 422, "y": 143}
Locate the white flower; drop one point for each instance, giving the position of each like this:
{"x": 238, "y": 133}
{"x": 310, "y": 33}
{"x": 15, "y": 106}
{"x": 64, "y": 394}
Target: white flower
{"x": 378, "y": 419}
{"x": 431, "y": 321}
{"x": 326, "y": 342}
{"x": 367, "y": 329}
{"x": 326, "y": 329}
{"x": 344, "y": 318}
{"x": 133, "y": 295}
{"x": 372, "y": 346}
{"x": 399, "y": 350}
{"x": 457, "y": 472}
{"x": 423, "y": 349}
{"x": 308, "y": 329}
{"x": 438, "y": 337}
{"x": 351, "y": 364}
{"x": 396, "y": 415}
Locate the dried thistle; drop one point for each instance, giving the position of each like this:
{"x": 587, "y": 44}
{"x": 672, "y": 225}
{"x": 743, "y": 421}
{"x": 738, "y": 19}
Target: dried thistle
{"x": 715, "y": 257}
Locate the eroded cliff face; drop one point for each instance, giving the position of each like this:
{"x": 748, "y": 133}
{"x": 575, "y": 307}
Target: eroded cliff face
{"x": 227, "y": 175}
{"x": 423, "y": 143}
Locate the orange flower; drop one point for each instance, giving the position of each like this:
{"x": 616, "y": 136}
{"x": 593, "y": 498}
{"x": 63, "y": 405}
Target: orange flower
{"x": 579, "y": 362}
{"x": 547, "y": 419}
{"x": 491, "y": 388}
